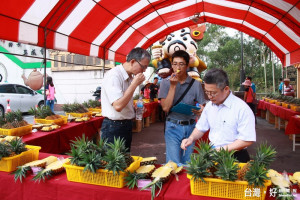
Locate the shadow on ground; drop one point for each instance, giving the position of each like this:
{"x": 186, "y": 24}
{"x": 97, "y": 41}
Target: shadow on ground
{"x": 150, "y": 142}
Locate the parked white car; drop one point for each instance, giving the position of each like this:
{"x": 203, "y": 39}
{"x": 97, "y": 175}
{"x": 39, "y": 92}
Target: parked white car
{"x": 21, "y": 98}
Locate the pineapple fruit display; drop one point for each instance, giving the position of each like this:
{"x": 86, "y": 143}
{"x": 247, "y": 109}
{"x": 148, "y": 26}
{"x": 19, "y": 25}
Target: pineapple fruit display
{"x": 111, "y": 156}
{"x": 12, "y": 120}
{"x": 45, "y": 113}
{"x": 209, "y": 165}
{"x": 160, "y": 176}
{"x": 9, "y": 148}
{"x": 50, "y": 170}
{"x": 74, "y": 108}
{"x": 23, "y": 170}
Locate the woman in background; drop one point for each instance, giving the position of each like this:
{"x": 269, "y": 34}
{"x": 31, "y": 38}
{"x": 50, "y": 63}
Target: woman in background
{"x": 50, "y": 92}
{"x": 249, "y": 95}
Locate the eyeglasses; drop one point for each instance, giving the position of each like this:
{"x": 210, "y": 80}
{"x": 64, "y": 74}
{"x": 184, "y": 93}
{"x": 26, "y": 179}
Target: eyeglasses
{"x": 142, "y": 66}
{"x": 178, "y": 64}
{"x": 210, "y": 93}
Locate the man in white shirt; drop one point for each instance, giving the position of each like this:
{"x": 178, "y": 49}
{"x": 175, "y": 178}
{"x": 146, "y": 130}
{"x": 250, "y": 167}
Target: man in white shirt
{"x": 229, "y": 119}
{"x": 118, "y": 87}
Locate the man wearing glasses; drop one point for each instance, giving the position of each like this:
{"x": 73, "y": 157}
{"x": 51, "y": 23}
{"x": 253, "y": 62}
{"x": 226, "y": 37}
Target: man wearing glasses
{"x": 229, "y": 119}
{"x": 178, "y": 125}
{"x": 118, "y": 87}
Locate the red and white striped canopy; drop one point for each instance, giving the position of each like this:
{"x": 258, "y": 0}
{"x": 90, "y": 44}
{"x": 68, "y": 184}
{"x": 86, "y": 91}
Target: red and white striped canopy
{"x": 111, "y": 28}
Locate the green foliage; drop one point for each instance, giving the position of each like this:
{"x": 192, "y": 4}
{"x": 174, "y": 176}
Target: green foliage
{"x": 218, "y": 50}
{"x": 92, "y": 104}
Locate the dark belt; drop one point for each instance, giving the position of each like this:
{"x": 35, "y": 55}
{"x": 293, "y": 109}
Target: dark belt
{"x": 181, "y": 122}
{"x": 118, "y": 121}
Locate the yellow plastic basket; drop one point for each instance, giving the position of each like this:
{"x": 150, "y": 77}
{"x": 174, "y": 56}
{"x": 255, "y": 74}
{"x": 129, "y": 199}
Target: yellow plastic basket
{"x": 59, "y": 121}
{"x": 95, "y": 109}
{"x": 102, "y": 177}
{"x": 215, "y": 187}
{"x": 9, "y": 164}
{"x": 87, "y": 114}
{"x": 20, "y": 131}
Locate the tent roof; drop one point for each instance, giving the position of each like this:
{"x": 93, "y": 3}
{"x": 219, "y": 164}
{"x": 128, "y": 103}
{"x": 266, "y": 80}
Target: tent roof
{"x": 109, "y": 29}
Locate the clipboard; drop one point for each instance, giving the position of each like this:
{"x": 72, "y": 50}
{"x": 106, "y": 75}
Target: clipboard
{"x": 184, "y": 108}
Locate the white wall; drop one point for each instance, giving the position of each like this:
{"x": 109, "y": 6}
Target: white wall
{"x": 75, "y": 86}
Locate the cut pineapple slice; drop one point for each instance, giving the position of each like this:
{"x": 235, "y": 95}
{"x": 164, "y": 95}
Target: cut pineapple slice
{"x": 148, "y": 161}
{"x": 146, "y": 169}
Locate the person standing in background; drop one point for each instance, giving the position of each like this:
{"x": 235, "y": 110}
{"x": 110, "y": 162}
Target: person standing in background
{"x": 154, "y": 89}
{"x": 145, "y": 91}
{"x": 252, "y": 85}
{"x": 280, "y": 88}
{"x": 288, "y": 89}
{"x": 118, "y": 87}
{"x": 249, "y": 95}
{"x": 50, "y": 93}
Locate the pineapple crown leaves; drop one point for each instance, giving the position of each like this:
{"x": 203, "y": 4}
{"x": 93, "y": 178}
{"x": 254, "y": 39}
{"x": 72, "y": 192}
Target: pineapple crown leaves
{"x": 42, "y": 175}
{"x": 131, "y": 179}
{"x": 205, "y": 149}
{"x": 265, "y": 154}
{"x": 218, "y": 156}
{"x": 17, "y": 145}
{"x": 198, "y": 167}
{"x": 76, "y": 155}
{"x": 5, "y": 150}
{"x": 227, "y": 169}
{"x": 115, "y": 161}
{"x": 21, "y": 172}
{"x": 257, "y": 174}
{"x": 85, "y": 145}
{"x": 155, "y": 184}
{"x": 91, "y": 162}
{"x": 118, "y": 145}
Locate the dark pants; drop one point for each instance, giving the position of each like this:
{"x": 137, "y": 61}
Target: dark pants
{"x": 242, "y": 156}
{"x": 117, "y": 128}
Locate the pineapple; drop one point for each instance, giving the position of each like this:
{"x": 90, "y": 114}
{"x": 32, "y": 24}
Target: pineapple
{"x": 5, "y": 151}
{"x": 115, "y": 161}
{"x": 21, "y": 171}
{"x": 148, "y": 161}
{"x": 227, "y": 169}
{"x": 17, "y": 146}
{"x": 146, "y": 170}
{"x": 265, "y": 155}
{"x": 161, "y": 175}
{"x": 52, "y": 169}
{"x": 199, "y": 167}
{"x": 242, "y": 171}
{"x": 257, "y": 174}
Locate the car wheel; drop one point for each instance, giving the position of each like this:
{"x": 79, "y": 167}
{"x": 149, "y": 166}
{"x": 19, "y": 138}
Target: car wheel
{"x": 41, "y": 104}
{"x": 1, "y": 111}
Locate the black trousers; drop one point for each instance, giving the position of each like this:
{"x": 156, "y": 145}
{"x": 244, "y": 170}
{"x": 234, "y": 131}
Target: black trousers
{"x": 242, "y": 155}
{"x": 111, "y": 129}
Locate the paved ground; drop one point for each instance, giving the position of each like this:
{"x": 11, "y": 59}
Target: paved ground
{"x": 150, "y": 142}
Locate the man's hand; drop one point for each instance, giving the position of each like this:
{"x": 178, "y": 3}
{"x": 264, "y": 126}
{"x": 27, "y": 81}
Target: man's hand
{"x": 185, "y": 143}
{"x": 138, "y": 79}
{"x": 173, "y": 79}
{"x": 198, "y": 112}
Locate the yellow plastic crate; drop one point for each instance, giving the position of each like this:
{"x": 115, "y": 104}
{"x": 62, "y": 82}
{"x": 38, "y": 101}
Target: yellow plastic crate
{"x": 59, "y": 121}
{"x": 101, "y": 177}
{"x": 9, "y": 164}
{"x": 20, "y": 131}
{"x": 95, "y": 109}
{"x": 87, "y": 114}
{"x": 215, "y": 187}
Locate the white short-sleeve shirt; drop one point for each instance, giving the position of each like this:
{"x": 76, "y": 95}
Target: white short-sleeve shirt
{"x": 228, "y": 122}
{"x": 115, "y": 83}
